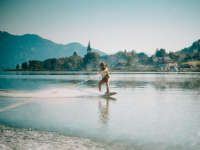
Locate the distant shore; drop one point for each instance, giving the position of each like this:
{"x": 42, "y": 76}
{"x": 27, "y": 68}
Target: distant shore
{"x": 94, "y": 72}
{"x": 111, "y": 70}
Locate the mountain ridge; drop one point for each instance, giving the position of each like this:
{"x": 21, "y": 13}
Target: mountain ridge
{"x": 16, "y": 49}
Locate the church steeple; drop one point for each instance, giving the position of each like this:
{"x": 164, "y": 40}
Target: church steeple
{"x": 89, "y": 48}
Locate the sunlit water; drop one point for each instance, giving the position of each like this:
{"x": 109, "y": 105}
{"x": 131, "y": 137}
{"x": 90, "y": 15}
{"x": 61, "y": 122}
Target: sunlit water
{"x": 151, "y": 111}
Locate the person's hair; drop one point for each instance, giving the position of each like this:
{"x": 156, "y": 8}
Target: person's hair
{"x": 103, "y": 65}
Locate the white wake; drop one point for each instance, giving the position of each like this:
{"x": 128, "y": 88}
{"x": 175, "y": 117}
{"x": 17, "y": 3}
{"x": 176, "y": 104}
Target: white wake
{"x": 51, "y": 93}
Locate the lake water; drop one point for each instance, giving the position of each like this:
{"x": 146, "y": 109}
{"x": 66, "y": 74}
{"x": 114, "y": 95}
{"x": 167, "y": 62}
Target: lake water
{"x": 59, "y": 110}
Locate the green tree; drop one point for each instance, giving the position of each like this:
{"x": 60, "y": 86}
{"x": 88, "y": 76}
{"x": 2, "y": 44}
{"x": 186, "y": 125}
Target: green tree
{"x": 17, "y": 67}
{"x": 35, "y": 65}
{"x": 133, "y": 53}
{"x": 160, "y": 53}
{"x": 75, "y": 54}
{"x": 91, "y": 61}
{"x": 130, "y": 60}
{"x": 76, "y": 62}
{"x": 50, "y": 64}
{"x": 68, "y": 66}
{"x": 24, "y": 66}
{"x": 143, "y": 58}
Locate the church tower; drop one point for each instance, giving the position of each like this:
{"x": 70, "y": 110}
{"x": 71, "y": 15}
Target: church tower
{"x": 89, "y": 48}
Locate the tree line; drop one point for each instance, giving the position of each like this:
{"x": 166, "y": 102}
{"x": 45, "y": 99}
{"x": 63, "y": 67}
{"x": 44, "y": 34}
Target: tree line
{"x": 122, "y": 59}
{"x": 73, "y": 63}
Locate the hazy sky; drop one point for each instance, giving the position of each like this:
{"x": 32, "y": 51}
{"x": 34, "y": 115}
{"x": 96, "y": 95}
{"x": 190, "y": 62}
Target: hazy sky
{"x": 110, "y": 25}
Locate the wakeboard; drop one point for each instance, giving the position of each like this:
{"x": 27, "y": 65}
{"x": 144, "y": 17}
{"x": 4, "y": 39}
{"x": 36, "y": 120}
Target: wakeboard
{"x": 109, "y": 94}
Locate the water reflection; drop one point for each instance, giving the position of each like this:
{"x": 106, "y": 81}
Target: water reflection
{"x": 129, "y": 84}
{"x": 104, "y": 110}
{"x": 191, "y": 84}
{"x": 160, "y": 83}
{"x": 157, "y": 82}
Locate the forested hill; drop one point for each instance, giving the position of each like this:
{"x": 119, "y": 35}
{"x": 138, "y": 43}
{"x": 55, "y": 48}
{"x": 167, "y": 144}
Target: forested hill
{"x": 15, "y": 49}
{"x": 195, "y": 47}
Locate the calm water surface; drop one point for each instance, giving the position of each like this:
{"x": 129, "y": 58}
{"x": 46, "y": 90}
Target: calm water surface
{"x": 152, "y": 111}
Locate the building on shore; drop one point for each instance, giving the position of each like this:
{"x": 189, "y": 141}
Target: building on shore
{"x": 169, "y": 66}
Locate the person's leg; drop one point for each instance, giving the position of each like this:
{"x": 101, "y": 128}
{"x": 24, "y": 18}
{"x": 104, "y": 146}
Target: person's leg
{"x": 100, "y": 84}
{"x": 107, "y": 86}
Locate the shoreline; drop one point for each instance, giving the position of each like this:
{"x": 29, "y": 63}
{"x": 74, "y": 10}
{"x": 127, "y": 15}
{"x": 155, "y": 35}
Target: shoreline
{"x": 23, "y": 139}
{"x": 96, "y": 72}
